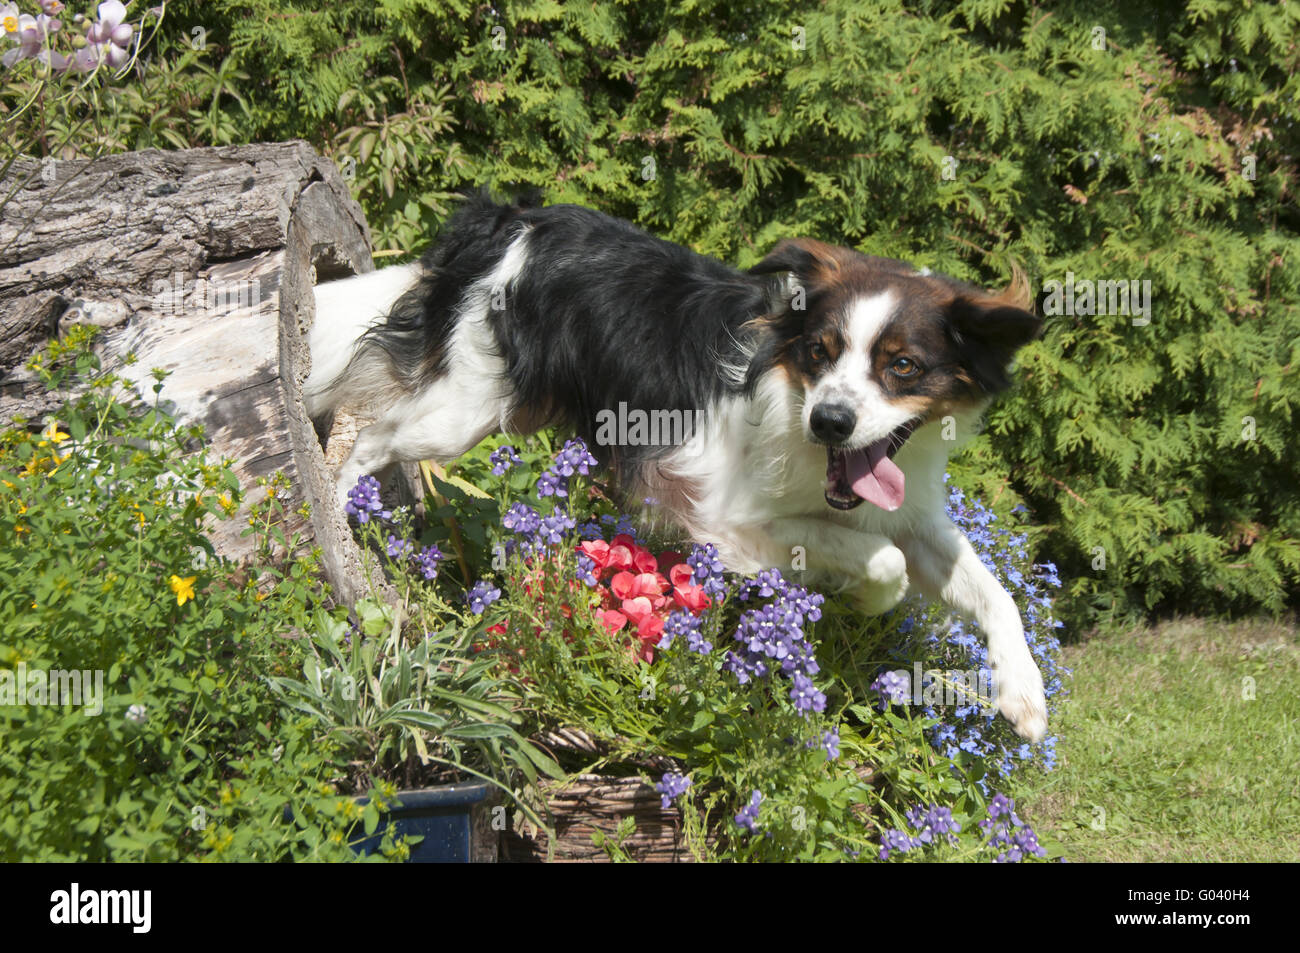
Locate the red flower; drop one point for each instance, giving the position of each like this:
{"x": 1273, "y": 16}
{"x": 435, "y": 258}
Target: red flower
{"x": 643, "y": 560}
{"x": 597, "y": 551}
{"x": 692, "y": 598}
{"x": 620, "y": 557}
{"x": 611, "y": 619}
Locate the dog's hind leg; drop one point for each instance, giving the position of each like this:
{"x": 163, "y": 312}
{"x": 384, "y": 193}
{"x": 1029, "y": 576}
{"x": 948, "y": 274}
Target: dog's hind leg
{"x": 468, "y": 398}
{"x": 439, "y": 424}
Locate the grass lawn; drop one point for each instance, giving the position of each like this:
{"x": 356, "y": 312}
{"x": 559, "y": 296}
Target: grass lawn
{"x": 1163, "y": 759}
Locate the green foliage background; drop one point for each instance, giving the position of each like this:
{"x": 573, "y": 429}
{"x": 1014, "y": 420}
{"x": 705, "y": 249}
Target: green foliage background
{"x": 729, "y": 126}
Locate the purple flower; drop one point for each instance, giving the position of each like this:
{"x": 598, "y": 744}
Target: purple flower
{"x": 427, "y": 560}
{"x": 503, "y": 458}
{"x": 364, "y": 503}
{"x": 587, "y": 571}
{"x": 708, "y": 570}
{"x": 397, "y": 548}
{"x": 481, "y": 595}
{"x": 772, "y": 635}
{"x": 830, "y": 743}
{"x": 892, "y": 687}
{"x": 1006, "y": 830}
{"x": 805, "y": 696}
{"x": 748, "y": 816}
{"x": 672, "y": 786}
{"x": 521, "y": 519}
{"x": 555, "y": 526}
{"x": 573, "y": 459}
{"x": 895, "y": 841}
{"x": 684, "y": 625}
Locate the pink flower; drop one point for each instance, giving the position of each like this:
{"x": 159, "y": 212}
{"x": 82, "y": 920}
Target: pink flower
{"x": 598, "y": 552}
{"x": 692, "y": 598}
{"x": 611, "y": 619}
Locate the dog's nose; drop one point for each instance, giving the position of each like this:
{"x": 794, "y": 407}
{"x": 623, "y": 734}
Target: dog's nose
{"x": 832, "y": 422}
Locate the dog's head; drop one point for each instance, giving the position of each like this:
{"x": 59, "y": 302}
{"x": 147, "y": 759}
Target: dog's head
{"x": 881, "y": 349}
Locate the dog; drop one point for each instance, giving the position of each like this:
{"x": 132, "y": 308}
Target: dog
{"x": 827, "y": 385}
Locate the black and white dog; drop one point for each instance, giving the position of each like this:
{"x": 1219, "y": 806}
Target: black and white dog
{"x": 828, "y": 387}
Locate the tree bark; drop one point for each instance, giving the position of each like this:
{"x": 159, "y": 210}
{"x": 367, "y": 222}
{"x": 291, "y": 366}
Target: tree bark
{"x": 201, "y": 262}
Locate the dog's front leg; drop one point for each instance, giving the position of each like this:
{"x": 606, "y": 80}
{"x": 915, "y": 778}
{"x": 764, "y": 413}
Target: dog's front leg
{"x": 944, "y": 566}
{"x": 868, "y": 566}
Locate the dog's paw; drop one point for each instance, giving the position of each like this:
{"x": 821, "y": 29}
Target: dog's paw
{"x": 1020, "y": 697}
{"x": 885, "y": 581}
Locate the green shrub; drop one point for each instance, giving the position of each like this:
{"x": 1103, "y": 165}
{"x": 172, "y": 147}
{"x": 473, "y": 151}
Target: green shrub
{"x": 1108, "y": 140}
{"x": 171, "y": 747}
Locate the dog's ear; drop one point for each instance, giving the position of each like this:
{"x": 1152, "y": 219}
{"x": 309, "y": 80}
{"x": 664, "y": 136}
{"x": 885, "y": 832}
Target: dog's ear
{"x": 989, "y": 329}
{"x": 806, "y": 258}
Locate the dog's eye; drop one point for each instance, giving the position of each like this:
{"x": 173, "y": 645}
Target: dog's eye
{"x": 905, "y": 367}
{"x": 816, "y": 352}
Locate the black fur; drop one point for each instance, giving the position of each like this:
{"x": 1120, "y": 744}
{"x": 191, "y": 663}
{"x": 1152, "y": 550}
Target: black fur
{"x": 602, "y": 314}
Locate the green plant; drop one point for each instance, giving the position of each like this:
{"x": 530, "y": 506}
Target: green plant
{"x": 398, "y": 701}
{"x": 135, "y": 717}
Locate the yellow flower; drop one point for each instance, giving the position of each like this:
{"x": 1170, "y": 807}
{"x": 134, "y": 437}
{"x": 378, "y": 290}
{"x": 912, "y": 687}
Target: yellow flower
{"x": 184, "y": 588}
{"x": 11, "y": 24}
{"x": 52, "y": 434}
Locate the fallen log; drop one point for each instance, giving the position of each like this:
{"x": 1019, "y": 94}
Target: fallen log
{"x": 201, "y": 262}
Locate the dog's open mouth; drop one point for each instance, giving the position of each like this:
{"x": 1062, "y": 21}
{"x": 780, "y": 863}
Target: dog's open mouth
{"x": 869, "y": 473}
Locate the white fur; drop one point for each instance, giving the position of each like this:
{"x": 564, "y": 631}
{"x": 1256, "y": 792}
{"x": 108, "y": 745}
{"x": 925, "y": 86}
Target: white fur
{"x": 755, "y": 489}
{"x": 460, "y": 408}
{"x": 344, "y": 311}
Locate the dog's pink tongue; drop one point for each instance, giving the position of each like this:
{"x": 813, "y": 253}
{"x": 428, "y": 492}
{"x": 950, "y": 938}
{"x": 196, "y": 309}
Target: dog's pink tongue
{"x": 875, "y": 477}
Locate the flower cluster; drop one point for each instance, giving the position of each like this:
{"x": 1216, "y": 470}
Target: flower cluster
{"x": 573, "y": 459}
{"x": 950, "y": 642}
{"x": 481, "y": 595}
{"x": 708, "y": 570}
{"x": 685, "y": 625}
{"x": 748, "y": 816}
{"x": 638, "y": 592}
{"x": 106, "y": 40}
{"x": 1006, "y": 830}
{"x": 364, "y": 503}
{"x": 892, "y": 687}
{"x": 672, "y": 786}
{"x": 427, "y": 560}
{"x": 398, "y": 548}
{"x": 503, "y": 458}
{"x": 534, "y": 532}
{"x": 772, "y": 636}
{"x": 928, "y": 825}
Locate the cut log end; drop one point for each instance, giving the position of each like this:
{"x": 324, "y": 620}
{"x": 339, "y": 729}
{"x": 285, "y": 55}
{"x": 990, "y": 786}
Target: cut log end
{"x": 200, "y": 262}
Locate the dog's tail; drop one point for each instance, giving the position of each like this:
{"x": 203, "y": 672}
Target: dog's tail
{"x": 382, "y": 336}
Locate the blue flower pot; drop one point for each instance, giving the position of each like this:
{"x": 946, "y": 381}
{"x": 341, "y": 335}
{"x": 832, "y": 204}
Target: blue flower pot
{"x": 455, "y": 821}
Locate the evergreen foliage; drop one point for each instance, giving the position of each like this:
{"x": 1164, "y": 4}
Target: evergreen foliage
{"x": 1113, "y": 141}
